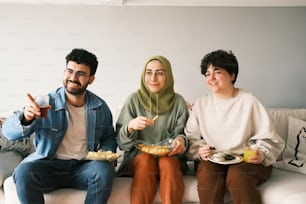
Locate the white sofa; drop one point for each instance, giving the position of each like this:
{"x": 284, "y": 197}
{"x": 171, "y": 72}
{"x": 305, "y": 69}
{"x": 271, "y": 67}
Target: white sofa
{"x": 282, "y": 188}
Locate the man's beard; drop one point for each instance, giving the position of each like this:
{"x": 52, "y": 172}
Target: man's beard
{"x": 75, "y": 91}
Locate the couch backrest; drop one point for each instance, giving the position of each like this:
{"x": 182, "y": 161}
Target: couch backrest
{"x": 280, "y": 119}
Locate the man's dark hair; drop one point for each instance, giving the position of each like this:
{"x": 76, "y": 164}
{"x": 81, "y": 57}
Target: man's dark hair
{"x": 81, "y": 56}
{"x": 221, "y": 59}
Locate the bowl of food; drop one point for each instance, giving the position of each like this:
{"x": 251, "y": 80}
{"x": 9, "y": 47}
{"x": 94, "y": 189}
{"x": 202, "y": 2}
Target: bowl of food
{"x": 162, "y": 148}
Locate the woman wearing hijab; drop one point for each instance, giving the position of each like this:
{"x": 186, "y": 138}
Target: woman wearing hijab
{"x": 155, "y": 99}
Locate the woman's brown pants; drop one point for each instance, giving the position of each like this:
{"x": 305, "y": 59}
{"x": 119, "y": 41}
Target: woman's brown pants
{"x": 241, "y": 180}
{"x": 146, "y": 170}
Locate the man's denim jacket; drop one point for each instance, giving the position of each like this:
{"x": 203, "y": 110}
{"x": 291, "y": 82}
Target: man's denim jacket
{"x": 49, "y": 132}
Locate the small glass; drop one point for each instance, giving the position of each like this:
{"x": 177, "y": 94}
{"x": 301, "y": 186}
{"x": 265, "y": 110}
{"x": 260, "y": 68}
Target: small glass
{"x": 43, "y": 102}
{"x": 249, "y": 151}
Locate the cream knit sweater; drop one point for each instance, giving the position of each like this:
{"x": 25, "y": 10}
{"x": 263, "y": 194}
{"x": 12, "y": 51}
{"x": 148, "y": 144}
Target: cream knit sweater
{"x": 227, "y": 124}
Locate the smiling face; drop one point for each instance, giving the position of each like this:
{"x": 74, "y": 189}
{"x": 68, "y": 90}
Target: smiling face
{"x": 77, "y": 78}
{"x": 155, "y": 76}
{"x": 219, "y": 80}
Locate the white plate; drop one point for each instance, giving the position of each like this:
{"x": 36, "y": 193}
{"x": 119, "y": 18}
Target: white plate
{"x": 237, "y": 159}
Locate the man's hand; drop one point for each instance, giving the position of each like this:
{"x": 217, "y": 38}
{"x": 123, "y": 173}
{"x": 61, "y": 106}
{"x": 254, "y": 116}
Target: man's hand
{"x": 32, "y": 110}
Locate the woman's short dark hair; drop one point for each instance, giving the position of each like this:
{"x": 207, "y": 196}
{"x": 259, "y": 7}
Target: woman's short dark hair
{"x": 221, "y": 59}
{"x": 81, "y": 56}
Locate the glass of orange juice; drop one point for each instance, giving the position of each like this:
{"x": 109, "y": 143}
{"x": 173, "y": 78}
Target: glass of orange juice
{"x": 249, "y": 151}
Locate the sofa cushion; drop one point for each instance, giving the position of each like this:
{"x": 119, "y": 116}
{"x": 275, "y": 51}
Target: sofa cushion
{"x": 280, "y": 116}
{"x": 11, "y": 153}
{"x": 294, "y": 156}
{"x": 8, "y": 162}
{"x": 23, "y": 146}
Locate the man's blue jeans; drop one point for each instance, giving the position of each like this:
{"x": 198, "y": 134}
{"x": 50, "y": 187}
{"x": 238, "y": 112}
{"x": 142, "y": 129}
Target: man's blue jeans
{"x": 35, "y": 178}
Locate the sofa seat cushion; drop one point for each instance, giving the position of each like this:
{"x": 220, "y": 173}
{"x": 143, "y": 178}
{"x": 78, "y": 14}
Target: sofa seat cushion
{"x": 299, "y": 197}
{"x": 64, "y": 196}
{"x": 284, "y": 187}
{"x": 120, "y": 193}
{"x": 67, "y": 195}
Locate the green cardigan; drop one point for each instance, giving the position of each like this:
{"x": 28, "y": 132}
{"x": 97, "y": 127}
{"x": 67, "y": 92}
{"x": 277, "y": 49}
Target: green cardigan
{"x": 168, "y": 125}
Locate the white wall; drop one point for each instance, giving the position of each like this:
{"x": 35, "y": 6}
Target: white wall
{"x": 270, "y": 44}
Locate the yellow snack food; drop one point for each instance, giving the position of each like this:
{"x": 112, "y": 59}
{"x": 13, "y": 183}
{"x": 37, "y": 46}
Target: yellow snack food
{"x": 159, "y": 150}
{"x": 102, "y": 155}
{"x": 155, "y": 118}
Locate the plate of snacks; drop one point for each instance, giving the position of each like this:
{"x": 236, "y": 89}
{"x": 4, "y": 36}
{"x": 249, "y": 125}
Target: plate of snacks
{"x": 102, "y": 155}
{"x": 162, "y": 148}
{"x": 225, "y": 157}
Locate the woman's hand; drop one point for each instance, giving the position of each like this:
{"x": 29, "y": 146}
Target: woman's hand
{"x": 139, "y": 123}
{"x": 178, "y": 145}
{"x": 205, "y": 151}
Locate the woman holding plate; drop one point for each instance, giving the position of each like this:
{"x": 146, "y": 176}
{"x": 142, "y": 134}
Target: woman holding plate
{"x": 222, "y": 122}
{"x": 152, "y": 114}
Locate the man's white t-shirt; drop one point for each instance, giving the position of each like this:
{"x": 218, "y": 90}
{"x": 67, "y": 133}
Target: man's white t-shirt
{"x": 74, "y": 144}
